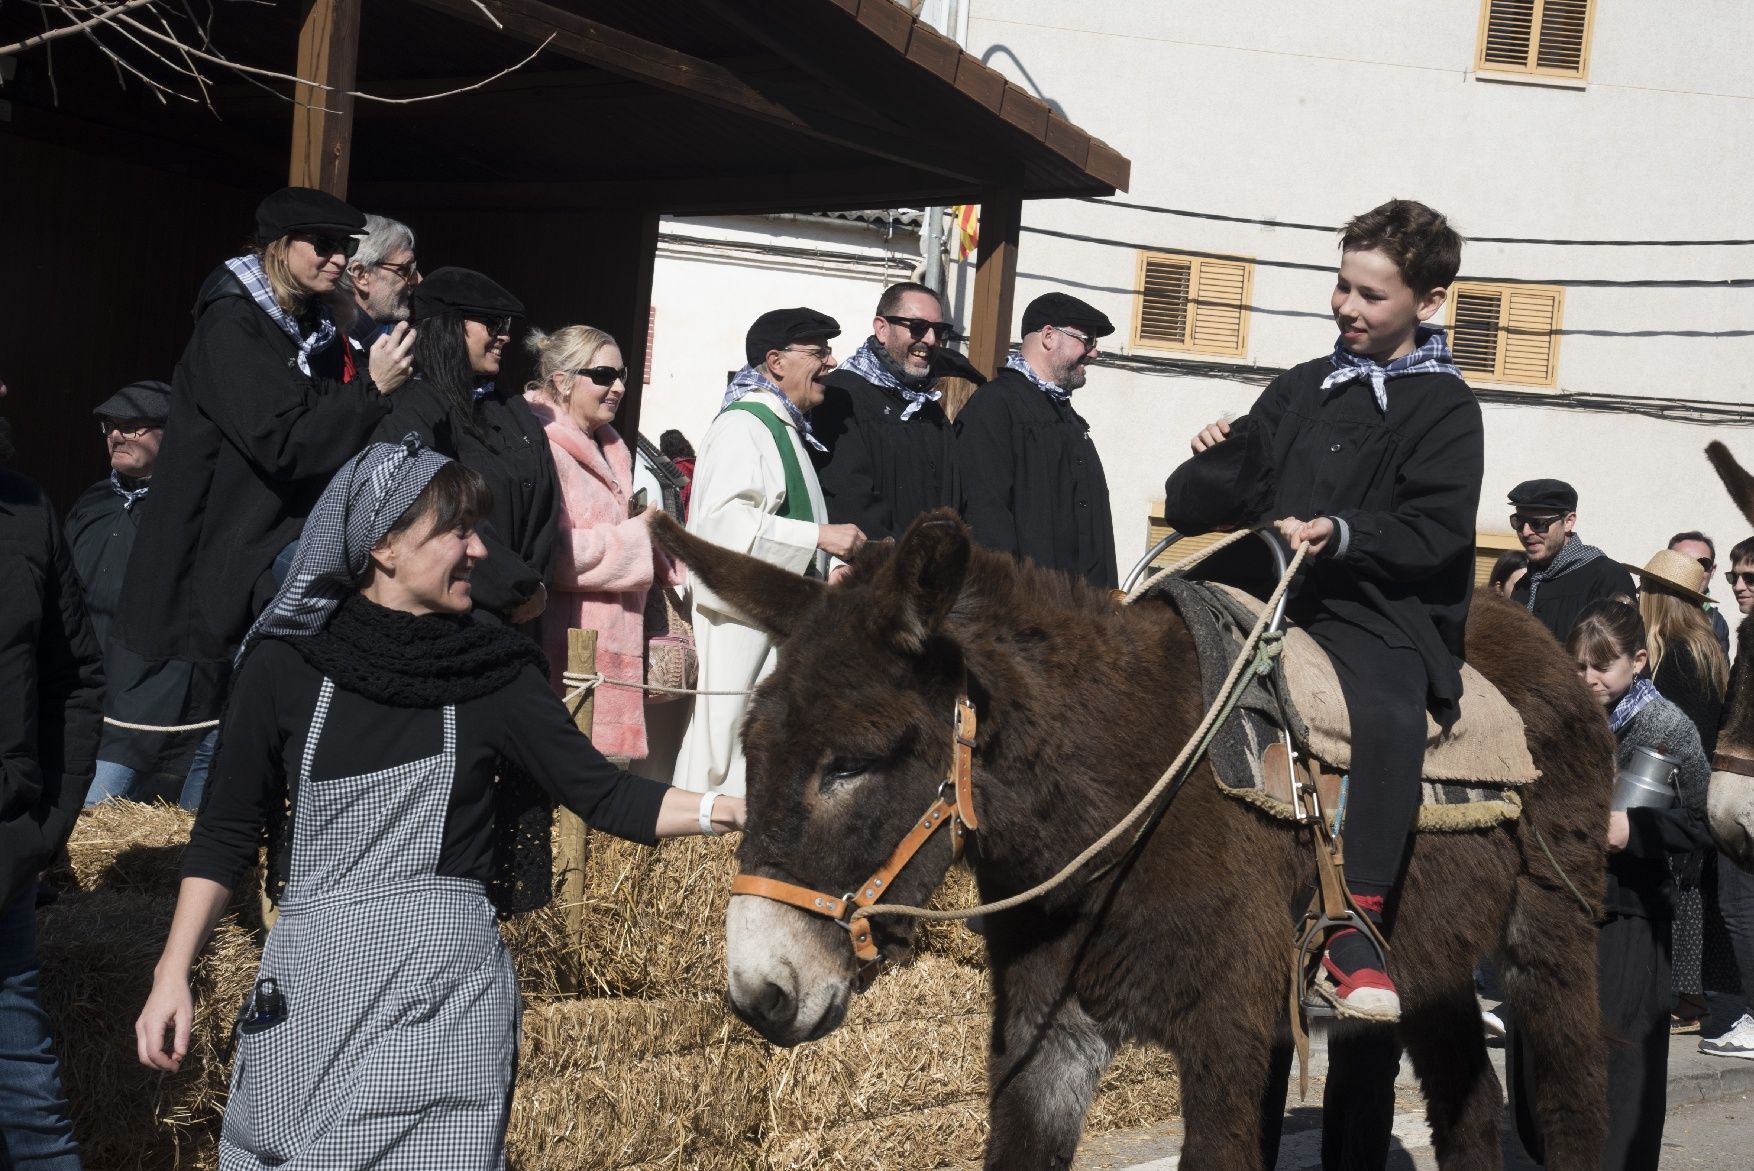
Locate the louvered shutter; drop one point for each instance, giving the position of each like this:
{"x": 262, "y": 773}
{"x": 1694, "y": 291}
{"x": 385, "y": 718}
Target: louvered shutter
{"x": 1535, "y": 36}
{"x": 1564, "y": 36}
{"x": 1509, "y": 30}
{"x": 1163, "y": 303}
{"x": 1531, "y": 341}
{"x": 1474, "y": 330}
{"x": 1220, "y": 297}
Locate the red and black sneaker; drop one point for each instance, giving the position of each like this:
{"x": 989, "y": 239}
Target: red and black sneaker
{"x": 1356, "y": 984}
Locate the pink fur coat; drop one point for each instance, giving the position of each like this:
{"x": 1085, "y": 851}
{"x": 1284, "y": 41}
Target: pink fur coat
{"x": 604, "y": 566}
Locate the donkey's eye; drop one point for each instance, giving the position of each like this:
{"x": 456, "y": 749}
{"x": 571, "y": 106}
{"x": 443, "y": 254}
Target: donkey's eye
{"x": 841, "y": 772}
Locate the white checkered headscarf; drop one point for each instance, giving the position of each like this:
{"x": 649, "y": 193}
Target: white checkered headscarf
{"x": 361, "y": 504}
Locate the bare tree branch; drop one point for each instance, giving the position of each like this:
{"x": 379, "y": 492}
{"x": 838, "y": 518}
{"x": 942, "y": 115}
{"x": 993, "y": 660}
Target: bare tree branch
{"x": 103, "y": 17}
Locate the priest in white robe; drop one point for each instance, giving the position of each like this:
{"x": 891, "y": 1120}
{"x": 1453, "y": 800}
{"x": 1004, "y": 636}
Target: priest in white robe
{"x": 755, "y": 491}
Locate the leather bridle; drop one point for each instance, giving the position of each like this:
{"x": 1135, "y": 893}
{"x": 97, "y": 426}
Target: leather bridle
{"x": 954, "y": 807}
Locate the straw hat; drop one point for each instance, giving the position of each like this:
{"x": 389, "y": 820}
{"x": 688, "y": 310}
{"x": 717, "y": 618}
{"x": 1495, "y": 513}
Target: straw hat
{"x": 1673, "y": 572}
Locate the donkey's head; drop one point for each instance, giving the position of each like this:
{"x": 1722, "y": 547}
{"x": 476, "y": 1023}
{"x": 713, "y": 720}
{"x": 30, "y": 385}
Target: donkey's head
{"x": 847, "y": 743}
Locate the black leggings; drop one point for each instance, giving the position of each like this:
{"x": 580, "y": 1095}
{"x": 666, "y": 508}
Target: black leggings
{"x": 1385, "y": 690}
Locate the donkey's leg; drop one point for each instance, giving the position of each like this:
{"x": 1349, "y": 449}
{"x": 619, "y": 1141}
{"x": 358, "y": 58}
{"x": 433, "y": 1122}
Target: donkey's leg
{"x": 1358, "y": 1101}
{"x": 1041, "y": 1073}
{"x": 1226, "y": 1067}
{"x": 1463, "y": 1101}
{"x": 1548, "y": 966}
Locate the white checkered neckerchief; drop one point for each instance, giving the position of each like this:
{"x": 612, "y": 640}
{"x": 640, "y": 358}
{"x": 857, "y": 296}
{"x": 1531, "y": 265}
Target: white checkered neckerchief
{"x": 248, "y": 269}
{"x": 482, "y": 391}
{"x": 1639, "y": 696}
{"x": 1431, "y": 356}
{"x": 1052, "y": 389}
{"x": 1571, "y": 555}
{"x": 367, "y": 496}
{"x": 750, "y": 380}
{"x": 130, "y": 496}
{"x": 871, "y": 363}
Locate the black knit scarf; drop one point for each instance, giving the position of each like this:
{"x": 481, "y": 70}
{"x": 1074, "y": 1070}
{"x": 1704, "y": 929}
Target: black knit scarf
{"x": 431, "y": 660}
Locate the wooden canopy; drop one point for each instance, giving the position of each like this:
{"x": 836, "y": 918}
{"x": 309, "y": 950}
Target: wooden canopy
{"x": 551, "y": 178}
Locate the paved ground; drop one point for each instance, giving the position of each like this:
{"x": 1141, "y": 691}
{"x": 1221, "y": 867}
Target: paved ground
{"x": 1710, "y": 1125}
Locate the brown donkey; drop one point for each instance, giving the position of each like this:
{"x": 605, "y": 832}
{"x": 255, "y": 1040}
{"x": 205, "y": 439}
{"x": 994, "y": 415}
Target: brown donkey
{"x": 1181, "y": 942}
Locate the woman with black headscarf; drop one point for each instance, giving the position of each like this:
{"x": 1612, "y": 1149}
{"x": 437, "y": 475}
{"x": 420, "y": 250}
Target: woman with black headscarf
{"x": 454, "y": 404}
{"x": 369, "y": 711}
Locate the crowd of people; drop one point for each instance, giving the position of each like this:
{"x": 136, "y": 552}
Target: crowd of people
{"x": 324, "y": 593}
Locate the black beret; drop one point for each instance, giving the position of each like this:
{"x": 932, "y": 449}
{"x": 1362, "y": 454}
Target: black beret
{"x": 1556, "y": 495}
{"x": 305, "y": 209}
{"x": 463, "y": 290}
{"x": 778, "y": 328}
{"x": 1065, "y": 309}
{"x": 138, "y": 400}
{"x": 1225, "y": 486}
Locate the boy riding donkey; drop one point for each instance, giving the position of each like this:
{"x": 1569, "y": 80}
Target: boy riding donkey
{"x": 1373, "y": 454}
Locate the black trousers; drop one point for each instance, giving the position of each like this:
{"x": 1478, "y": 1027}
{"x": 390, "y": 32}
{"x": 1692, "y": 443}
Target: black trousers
{"x": 1385, "y": 689}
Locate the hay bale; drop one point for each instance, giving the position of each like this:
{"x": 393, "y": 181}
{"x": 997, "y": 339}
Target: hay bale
{"x": 952, "y": 939}
{"x": 949, "y": 1135}
{"x": 125, "y": 845}
{"x": 98, "y": 951}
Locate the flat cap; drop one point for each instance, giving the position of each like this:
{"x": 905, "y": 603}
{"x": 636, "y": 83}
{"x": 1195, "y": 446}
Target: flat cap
{"x": 1556, "y": 495}
{"x": 1065, "y": 309}
{"x": 305, "y": 209}
{"x": 463, "y": 290}
{"x": 778, "y": 328}
{"x": 147, "y": 400}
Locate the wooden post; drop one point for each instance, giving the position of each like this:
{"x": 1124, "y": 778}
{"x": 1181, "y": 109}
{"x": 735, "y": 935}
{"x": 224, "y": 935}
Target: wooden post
{"x": 569, "y": 859}
{"x": 322, "y": 119}
{"x": 995, "y": 279}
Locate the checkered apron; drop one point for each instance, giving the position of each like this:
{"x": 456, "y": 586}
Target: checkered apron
{"x": 401, "y": 1032}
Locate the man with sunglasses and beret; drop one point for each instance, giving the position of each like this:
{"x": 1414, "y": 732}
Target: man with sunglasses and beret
{"x": 1032, "y": 483}
{"x": 891, "y": 448}
{"x": 1565, "y": 575}
{"x": 270, "y": 397}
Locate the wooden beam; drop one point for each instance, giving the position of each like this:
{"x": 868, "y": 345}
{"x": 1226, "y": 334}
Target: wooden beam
{"x": 623, "y": 53}
{"x": 322, "y": 118}
{"x": 995, "y": 279}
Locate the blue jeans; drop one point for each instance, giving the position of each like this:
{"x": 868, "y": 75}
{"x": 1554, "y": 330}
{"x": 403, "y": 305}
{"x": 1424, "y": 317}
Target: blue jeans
{"x": 114, "y": 779}
{"x": 1735, "y": 901}
{"x": 196, "y": 782}
{"x": 36, "y": 1132}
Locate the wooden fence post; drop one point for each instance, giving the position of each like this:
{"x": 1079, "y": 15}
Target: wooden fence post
{"x": 569, "y": 860}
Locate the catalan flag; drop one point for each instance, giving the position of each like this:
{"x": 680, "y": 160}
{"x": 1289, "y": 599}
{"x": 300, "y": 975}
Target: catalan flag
{"x": 968, "y": 229}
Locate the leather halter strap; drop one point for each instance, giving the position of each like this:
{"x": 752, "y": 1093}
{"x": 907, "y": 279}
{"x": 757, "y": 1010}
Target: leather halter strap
{"x": 954, "y": 808}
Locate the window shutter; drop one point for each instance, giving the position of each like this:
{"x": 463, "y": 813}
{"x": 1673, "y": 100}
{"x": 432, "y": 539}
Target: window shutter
{"x": 1163, "y": 308}
{"x": 1220, "y": 296}
{"x": 1531, "y": 322}
{"x": 1564, "y": 32}
{"x": 1474, "y": 332}
{"x": 1510, "y": 27}
{"x": 1535, "y": 36}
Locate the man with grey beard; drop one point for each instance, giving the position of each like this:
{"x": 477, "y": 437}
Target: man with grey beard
{"x": 382, "y": 275}
{"x": 891, "y": 450}
{"x": 1032, "y": 483}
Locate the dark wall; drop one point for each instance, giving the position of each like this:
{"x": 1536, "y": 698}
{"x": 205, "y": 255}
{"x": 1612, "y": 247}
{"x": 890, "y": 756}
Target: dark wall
{"x": 103, "y": 258}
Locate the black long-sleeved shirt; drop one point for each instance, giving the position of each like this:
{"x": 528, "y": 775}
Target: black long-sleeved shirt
{"x": 262, "y": 743}
{"x": 881, "y": 472}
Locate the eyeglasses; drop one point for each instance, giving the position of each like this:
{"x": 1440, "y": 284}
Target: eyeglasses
{"x": 813, "y": 351}
{"x": 130, "y": 428}
{"x": 917, "y": 326}
{"x": 604, "y": 376}
{"x": 495, "y": 326}
{"x": 326, "y": 246}
{"x": 1736, "y": 578}
{"x": 1083, "y": 339}
{"x": 1539, "y": 523}
{"x": 1706, "y": 564}
{"x": 408, "y": 270}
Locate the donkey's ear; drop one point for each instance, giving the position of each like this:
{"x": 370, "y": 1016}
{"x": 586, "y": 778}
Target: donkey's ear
{"x": 771, "y": 597}
{"x": 1737, "y": 480}
{"x": 924, "y": 578}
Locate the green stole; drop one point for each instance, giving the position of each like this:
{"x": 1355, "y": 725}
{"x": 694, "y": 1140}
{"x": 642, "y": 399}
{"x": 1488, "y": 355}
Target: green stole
{"x": 797, "y": 505}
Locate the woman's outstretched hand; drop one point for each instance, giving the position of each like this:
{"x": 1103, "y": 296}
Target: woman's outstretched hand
{"x": 170, "y": 1009}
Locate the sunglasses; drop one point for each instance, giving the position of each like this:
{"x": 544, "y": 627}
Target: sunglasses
{"x": 130, "y": 428}
{"x": 604, "y": 376}
{"x": 1539, "y": 523}
{"x": 495, "y": 326}
{"x": 1736, "y": 578}
{"x": 407, "y": 270}
{"x": 1083, "y": 339}
{"x": 327, "y": 246}
{"x": 917, "y": 326}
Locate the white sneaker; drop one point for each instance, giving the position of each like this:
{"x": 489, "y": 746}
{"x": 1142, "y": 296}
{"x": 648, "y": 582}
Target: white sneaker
{"x": 1738, "y": 1042}
{"x": 1493, "y": 1024}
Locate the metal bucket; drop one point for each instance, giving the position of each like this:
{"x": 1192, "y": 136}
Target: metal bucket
{"x": 1647, "y": 780}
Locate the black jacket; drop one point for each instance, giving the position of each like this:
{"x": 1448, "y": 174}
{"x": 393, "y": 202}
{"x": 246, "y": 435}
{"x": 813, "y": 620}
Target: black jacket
{"x": 51, "y": 687}
{"x": 879, "y": 472}
{"x": 1031, "y": 481}
{"x": 1640, "y": 881}
{"x": 1559, "y": 601}
{"x": 508, "y": 447}
{"x": 1406, "y": 489}
{"x": 250, "y": 444}
{"x": 100, "y": 535}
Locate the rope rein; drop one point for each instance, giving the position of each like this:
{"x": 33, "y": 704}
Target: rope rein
{"x": 1257, "y": 654}
{"x": 166, "y": 729}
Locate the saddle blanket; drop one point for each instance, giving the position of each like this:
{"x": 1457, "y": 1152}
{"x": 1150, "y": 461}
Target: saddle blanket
{"x": 1472, "y": 770}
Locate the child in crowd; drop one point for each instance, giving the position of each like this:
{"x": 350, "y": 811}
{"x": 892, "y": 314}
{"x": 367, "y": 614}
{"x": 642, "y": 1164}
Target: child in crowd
{"x": 1608, "y": 643}
{"x": 1378, "y": 450}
